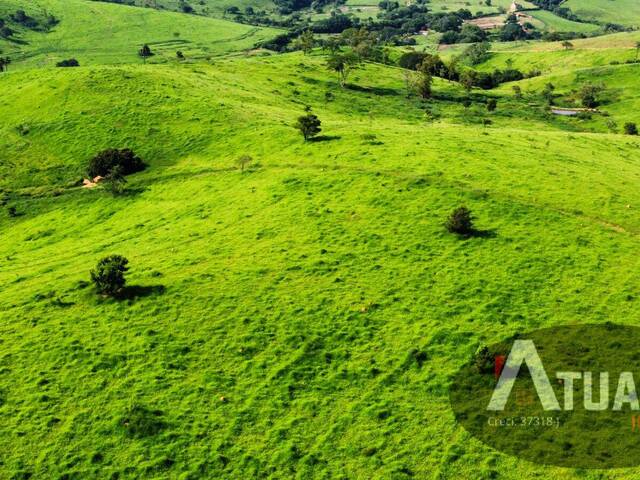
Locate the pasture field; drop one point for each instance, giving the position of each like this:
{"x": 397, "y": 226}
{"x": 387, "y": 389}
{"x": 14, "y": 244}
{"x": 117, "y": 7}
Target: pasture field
{"x": 106, "y": 33}
{"x": 302, "y": 318}
{"x": 624, "y": 12}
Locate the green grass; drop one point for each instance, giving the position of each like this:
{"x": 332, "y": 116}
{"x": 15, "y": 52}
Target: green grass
{"x": 298, "y": 290}
{"x": 105, "y": 33}
{"x": 553, "y": 23}
{"x": 305, "y": 290}
{"x": 474, "y": 6}
{"x": 625, "y": 12}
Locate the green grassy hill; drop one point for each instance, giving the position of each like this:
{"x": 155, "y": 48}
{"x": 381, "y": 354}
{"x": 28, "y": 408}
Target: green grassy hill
{"x": 625, "y": 12}
{"x": 99, "y": 33}
{"x": 304, "y": 318}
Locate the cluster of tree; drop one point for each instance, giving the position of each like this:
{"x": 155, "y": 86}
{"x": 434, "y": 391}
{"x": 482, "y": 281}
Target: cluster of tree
{"x": 20, "y": 17}
{"x": 5, "y": 31}
{"x": 469, "y": 78}
{"x": 125, "y": 160}
{"x": 468, "y": 33}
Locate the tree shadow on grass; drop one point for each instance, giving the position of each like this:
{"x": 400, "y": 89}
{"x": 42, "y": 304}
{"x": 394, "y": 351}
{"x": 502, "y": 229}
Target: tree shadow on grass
{"x": 477, "y": 233}
{"x": 139, "y": 291}
{"x": 381, "y": 91}
{"x": 325, "y": 138}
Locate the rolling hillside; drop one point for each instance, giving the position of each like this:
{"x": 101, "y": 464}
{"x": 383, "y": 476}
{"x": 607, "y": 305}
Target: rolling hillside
{"x": 302, "y": 318}
{"x": 624, "y": 12}
{"x": 99, "y": 33}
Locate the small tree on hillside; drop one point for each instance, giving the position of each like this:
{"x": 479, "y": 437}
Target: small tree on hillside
{"x": 517, "y": 92}
{"x": 306, "y": 41}
{"x": 109, "y": 274}
{"x": 492, "y": 104}
{"x": 145, "y": 52}
{"x": 460, "y": 222}
{"x": 567, "y": 45}
{"x": 309, "y": 126}
{"x": 343, "y": 63}
{"x": 243, "y": 161}
{"x": 4, "y": 64}
{"x": 424, "y": 80}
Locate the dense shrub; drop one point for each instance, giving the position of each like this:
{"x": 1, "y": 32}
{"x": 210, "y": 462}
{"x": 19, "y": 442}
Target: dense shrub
{"x": 460, "y": 222}
{"x": 72, "y": 62}
{"x": 630, "y": 128}
{"x": 104, "y": 163}
{"x": 309, "y": 126}
{"x": 108, "y": 276}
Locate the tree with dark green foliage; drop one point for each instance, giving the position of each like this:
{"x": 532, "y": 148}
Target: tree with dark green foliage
{"x": 492, "y": 104}
{"x": 114, "y": 182}
{"x": 243, "y": 161}
{"x": 309, "y": 126}
{"x": 343, "y": 63}
{"x": 72, "y": 62}
{"x": 460, "y": 222}
{"x": 4, "y": 64}
{"x": 306, "y": 41}
{"x": 109, "y": 274}
{"x": 424, "y": 81}
{"x": 104, "y": 162}
{"x": 589, "y": 95}
{"x": 548, "y": 94}
{"x": 145, "y": 52}
{"x": 630, "y": 128}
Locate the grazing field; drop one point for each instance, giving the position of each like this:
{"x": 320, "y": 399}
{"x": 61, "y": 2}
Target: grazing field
{"x": 553, "y": 23}
{"x": 105, "y": 33}
{"x": 625, "y": 12}
{"x": 302, "y": 317}
{"x": 317, "y": 293}
{"x": 475, "y": 6}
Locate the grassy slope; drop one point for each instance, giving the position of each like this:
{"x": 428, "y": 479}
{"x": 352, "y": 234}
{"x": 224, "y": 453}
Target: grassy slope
{"x": 214, "y": 8}
{"x": 301, "y": 290}
{"x": 625, "y": 12}
{"x": 98, "y": 33}
{"x": 553, "y": 23}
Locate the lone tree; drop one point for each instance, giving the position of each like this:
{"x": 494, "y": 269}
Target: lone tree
{"x": 460, "y": 222}
{"x": 630, "y": 128}
{"x": 104, "y": 162}
{"x": 108, "y": 276}
{"x": 567, "y": 45}
{"x": 424, "y": 80}
{"x": 309, "y": 126}
{"x": 243, "y": 161}
{"x": 4, "y": 64}
{"x": 492, "y": 104}
{"x": 306, "y": 41}
{"x": 145, "y": 52}
{"x": 517, "y": 92}
{"x": 343, "y": 63}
